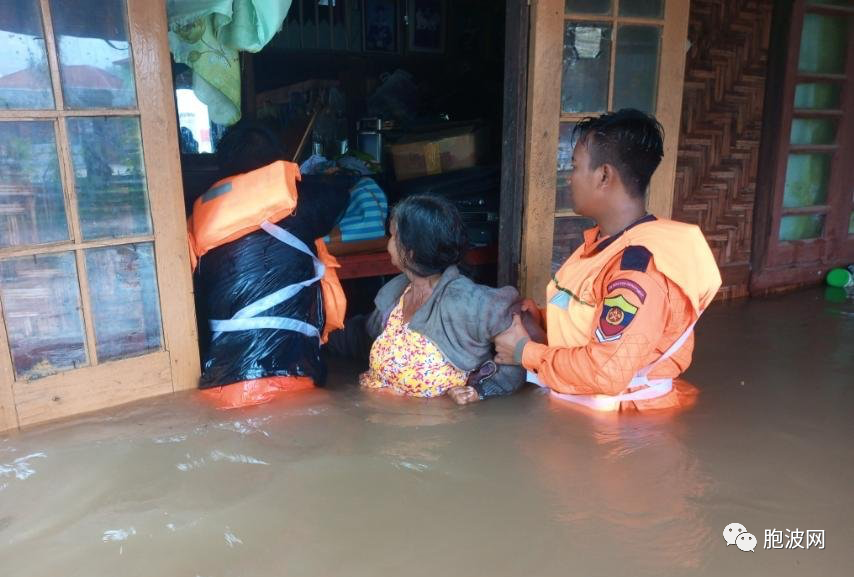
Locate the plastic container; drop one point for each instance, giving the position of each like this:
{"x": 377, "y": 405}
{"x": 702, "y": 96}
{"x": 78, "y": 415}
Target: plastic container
{"x": 841, "y": 277}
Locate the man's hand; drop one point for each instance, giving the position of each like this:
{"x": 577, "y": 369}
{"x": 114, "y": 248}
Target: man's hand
{"x": 464, "y": 395}
{"x": 505, "y": 343}
{"x": 530, "y": 307}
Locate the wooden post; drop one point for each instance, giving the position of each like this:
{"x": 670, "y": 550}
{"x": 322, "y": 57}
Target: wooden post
{"x": 148, "y": 27}
{"x": 543, "y": 114}
{"x": 671, "y": 77}
{"x": 517, "y": 19}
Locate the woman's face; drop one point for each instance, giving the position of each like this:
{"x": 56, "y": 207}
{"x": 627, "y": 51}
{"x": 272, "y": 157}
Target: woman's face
{"x": 392, "y": 246}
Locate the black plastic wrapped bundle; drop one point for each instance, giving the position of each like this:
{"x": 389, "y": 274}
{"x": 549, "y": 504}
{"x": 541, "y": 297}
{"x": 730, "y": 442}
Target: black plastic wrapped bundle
{"x": 235, "y": 275}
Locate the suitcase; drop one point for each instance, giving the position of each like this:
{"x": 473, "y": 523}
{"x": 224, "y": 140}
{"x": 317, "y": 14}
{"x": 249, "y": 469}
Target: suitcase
{"x": 474, "y": 191}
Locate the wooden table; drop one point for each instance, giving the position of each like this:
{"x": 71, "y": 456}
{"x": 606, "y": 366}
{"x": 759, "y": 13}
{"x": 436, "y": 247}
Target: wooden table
{"x": 379, "y": 263}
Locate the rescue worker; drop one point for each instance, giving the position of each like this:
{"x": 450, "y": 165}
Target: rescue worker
{"x": 621, "y": 310}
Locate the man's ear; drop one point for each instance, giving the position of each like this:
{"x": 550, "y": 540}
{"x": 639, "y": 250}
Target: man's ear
{"x": 608, "y": 175}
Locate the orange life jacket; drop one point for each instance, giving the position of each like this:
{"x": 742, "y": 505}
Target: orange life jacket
{"x": 334, "y": 299}
{"x": 237, "y": 205}
{"x": 680, "y": 253}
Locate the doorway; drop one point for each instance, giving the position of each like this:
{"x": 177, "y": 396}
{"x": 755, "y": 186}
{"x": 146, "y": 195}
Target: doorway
{"x": 804, "y": 216}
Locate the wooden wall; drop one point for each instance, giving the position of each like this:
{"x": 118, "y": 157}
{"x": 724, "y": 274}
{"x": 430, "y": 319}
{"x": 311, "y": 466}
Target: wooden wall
{"x": 719, "y": 138}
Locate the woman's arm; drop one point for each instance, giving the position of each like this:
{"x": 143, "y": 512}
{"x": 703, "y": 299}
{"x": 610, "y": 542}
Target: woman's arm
{"x": 357, "y": 336}
{"x": 492, "y": 380}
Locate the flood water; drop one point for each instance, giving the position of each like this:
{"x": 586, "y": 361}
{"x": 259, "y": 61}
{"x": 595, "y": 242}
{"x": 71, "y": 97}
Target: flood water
{"x": 337, "y": 481}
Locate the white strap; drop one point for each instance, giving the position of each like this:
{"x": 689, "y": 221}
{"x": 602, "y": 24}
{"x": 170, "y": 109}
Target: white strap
{"x": 672, "y": 350}
{"x": 247, "y": 318}
{"x": 286, "y": 237}
{"x": 649, "y": 389}
{"x": 283, "y": 323}
{"x": 654, "y": 389}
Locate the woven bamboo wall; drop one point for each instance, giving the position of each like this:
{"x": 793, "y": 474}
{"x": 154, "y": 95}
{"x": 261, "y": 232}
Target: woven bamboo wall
{"x": 720, "y": 130}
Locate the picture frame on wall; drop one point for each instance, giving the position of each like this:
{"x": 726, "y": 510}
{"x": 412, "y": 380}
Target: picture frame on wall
{"x": 427, "y": 23}
{"x": 380, "y": 26}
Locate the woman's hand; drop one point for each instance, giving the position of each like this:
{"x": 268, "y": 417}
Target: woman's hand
{"x": 505, "y": 343}
{"x": 464, "y": 395}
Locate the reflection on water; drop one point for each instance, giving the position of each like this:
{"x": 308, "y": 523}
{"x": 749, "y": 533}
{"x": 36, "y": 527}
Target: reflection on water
{"x": 341, "y": 482}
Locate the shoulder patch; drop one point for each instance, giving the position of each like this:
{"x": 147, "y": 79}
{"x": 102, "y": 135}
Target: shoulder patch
{"x": 635, "y": 258}
{"x": 617, "y": 314}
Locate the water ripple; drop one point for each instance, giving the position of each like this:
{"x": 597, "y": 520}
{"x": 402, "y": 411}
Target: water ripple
{"x": 20, "y": 467}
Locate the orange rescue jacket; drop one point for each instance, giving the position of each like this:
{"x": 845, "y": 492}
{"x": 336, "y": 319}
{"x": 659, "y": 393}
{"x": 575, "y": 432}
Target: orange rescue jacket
{"x": 618, "y": 304}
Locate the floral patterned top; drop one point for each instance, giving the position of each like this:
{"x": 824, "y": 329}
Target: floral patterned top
{"x": 409, "y": 363}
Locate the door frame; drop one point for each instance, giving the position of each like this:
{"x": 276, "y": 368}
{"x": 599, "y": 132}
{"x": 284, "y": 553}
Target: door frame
{"x": 543, "y": 123}
{"x": 176, "y": 365}
{"x": 514, "y": 134}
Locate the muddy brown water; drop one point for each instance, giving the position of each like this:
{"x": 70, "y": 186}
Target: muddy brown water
{"x": 338, "y": 481}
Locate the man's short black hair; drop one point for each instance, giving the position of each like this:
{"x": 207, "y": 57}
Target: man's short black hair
{"x": 246, "y": 146}
{"x": 430, "y": 234}
{"x": 629, "y": 140}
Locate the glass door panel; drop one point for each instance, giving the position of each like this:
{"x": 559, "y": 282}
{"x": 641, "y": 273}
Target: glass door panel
{"x": 41, "y": 306}
{"x": 109, "y": 176}
{"x": 642, "y": 8}
{"x": 24, "y": 75}
{"x": 589, "y": 6}
{"x": 125, "y": 300}
{"x": 806, "y": 180}
{"x": 824, "y": 42}
{"x": 636, "y": 74}
{"x": 586, "y": 67}
{"x": 95, "y": 60}
{"x": 565, "y": 146}
{"x": 32, "y": 205}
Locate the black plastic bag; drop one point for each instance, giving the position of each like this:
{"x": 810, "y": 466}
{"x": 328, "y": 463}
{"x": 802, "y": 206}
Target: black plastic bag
{"x": 233, "y": 276}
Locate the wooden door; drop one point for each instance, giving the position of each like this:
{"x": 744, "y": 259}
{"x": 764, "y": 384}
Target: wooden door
{"x": 804, "y": 217}
{"x": 588, "y": 57}
{"x": 95, "y": 282}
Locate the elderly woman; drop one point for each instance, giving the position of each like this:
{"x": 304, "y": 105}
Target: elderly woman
{"x": 431, "y": 332}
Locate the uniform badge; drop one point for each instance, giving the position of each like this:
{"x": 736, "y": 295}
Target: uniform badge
{"x": 617, "y": 313}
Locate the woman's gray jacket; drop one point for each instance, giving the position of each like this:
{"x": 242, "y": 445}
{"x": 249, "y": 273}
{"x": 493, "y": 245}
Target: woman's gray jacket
{"x": 461, "y": 318}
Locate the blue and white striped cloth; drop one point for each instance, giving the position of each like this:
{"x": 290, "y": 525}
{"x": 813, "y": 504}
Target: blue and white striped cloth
{"x": 365, "y": 216}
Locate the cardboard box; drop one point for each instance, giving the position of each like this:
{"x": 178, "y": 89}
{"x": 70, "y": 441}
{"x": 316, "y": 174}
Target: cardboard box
{"x": 437, "y": 152}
